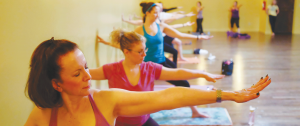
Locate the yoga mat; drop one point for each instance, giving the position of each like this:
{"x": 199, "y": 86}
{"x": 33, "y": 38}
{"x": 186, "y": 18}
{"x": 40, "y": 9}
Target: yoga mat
{"x": 182, "y": 117}
{"x": 187, "y": 51}
{"x": 189, "y": 60}
{"x": 202, "y": 87}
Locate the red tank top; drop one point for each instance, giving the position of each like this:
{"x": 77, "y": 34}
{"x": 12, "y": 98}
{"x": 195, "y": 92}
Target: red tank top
{"x": 100, "y": 120}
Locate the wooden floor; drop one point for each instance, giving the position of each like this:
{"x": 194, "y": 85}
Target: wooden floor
{"x": 279, "y": 56}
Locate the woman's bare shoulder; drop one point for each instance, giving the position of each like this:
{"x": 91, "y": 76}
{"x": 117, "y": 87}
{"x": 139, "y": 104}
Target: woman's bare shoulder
{"x": 39, "y": 116}
{"x": 139, "y": 30}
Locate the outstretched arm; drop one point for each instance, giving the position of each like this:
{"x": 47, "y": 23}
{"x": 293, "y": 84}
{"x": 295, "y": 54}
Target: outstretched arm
{"x": 182, "y": 25}
{"x": 133, "y": 22}
{"x": 140, "y": 103}
{"x": 176, "y": 34}
{"x": 101, "y": 40}
{"x": 178, "y": 16}
{"x": 186, "y": 74}
{"x": 97, "y": 74}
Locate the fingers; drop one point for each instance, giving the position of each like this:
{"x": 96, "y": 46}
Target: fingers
{"x": 262, "y": 80}
{"x": 220, "y": 76}
{"x": 263, "y": 85}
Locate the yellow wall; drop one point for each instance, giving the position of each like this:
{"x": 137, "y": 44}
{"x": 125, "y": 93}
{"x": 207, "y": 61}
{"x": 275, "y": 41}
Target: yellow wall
{"x": 25, "y": 24}
{"x": 296, "y": 22}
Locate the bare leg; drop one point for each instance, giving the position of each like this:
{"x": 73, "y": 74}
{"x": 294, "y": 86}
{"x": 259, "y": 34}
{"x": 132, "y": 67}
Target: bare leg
{"x": 238, "y": 30}
{"x": 178, "y": 43}
{"x": 196, "y": 114}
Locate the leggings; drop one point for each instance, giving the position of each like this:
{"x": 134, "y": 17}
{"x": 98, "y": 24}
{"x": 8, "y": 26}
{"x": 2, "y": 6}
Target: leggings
{"x": 168, "y": 47}
{"x": 236, "y": 21}
{"x": 199, "y": 25}
{"x": 272, "y": 20}
{"x": 150, "y": 122}
{"x": 182, "y": 83}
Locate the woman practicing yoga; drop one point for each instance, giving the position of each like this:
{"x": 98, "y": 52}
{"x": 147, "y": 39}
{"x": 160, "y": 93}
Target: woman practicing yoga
{"x": 235, "y": 18}
{"x": 59, "y": 84}
{"x": 273, "y": 11}
{"x": 199, "y": 20}
{"x": 135, "y": 75}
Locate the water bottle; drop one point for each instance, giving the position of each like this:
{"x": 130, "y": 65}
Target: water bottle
{"x": 251, "y": 116}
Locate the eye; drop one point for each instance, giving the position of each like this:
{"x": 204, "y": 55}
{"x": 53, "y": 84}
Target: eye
{"x": 77, "y": 74}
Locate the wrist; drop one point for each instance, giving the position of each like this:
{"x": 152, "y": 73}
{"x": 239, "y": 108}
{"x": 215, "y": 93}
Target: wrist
{"x": 228, "y": 96}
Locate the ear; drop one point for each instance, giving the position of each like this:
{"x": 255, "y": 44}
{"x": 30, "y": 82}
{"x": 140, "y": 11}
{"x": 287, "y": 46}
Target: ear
{"x": 126, "y": 51}
{"x": 147, "y": 12}
{"x": 55, "y": 85}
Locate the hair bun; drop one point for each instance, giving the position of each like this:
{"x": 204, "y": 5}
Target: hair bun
{"x": 143, "y": 4}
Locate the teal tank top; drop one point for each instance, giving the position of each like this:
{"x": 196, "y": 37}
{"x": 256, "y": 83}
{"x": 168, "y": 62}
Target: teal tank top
{"x": 155, "y": 45}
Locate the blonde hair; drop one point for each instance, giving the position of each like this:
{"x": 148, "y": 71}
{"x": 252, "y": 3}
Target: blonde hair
{"x": 125, "y": 39}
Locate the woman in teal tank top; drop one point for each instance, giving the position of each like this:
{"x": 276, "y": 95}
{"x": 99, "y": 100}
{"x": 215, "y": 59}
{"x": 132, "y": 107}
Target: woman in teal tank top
{"x": 152, "y": 31}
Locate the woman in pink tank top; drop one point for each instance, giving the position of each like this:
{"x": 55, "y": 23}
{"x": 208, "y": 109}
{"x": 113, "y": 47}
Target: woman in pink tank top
{"x": 59, "y": 84}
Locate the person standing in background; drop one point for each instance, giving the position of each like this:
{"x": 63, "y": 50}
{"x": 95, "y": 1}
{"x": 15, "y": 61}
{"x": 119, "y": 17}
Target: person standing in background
{"x": 199, "y": 18}
{"x": 235, "y": 18}
{"x": 272, "y": 11}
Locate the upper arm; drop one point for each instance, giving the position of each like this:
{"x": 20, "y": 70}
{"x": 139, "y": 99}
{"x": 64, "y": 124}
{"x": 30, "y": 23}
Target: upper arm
{"x": 168, "y": 30}
{"x": 167, "y": 73}
{"x": 38, "y": 117}
{"x": 131, "y": 104}
{"x": 139, "y": 30}
{"x": 97, "y": 74}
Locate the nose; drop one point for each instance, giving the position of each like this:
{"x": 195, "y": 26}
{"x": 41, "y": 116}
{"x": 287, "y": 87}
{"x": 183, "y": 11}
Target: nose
{"x": 144, "y": 54}
{"x": 87, "y": 75}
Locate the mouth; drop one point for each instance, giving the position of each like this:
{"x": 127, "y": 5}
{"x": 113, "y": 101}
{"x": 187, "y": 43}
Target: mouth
{"x": 87, "y": 87}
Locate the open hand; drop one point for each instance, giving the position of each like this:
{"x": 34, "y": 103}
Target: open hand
{"x": 189, "y": 23}
{"x": 213, "y": 77}
{"x": 252, "y": 92}
{"x": 190, "y": 14}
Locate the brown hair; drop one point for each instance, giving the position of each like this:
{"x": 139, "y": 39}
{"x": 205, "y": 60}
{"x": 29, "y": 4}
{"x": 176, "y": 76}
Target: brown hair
{"x": 145, "y": 6}
{"x": 43, "y": 68}
{"x": 126, "y": 39}
{"x": 200, "y": 3}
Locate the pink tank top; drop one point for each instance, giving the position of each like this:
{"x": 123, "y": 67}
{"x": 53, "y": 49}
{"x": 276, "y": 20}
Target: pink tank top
{"x": 117, "y": 78}
{"x": 100, "y": 120}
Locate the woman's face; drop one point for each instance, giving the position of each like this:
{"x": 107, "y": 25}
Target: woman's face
{"x": 153, "y": 14}
{"x": 137, "y": 52}
{"x": 198, "y": 4}
{"x": 234, "y": 4}
{"x": 274, "y": 2}
{"x": 75, "y": 76}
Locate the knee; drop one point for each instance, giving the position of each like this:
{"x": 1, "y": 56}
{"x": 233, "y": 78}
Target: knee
{"x": 177, "y": 42}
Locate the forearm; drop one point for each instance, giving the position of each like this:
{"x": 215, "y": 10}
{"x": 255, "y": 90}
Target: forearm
{"x": 134, "y": 22}
{"x": 170, "y": 98}
{"x": 182, "y": 74}
{"x": 166, "y": 10}
{"x": 177, "y": 25}
{"x": 182, "y": 96}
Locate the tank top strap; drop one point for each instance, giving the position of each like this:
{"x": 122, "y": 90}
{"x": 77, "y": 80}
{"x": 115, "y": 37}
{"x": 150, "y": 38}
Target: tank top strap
{"x": 53, "y": 118}
{"x": 158, "y": 30}
{"x": 100, "y": 120}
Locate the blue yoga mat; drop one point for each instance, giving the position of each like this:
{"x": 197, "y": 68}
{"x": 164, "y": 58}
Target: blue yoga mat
{"x": 182, "y": 116}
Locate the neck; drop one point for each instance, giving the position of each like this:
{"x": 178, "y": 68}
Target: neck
{"x": 149, "y": 22}
{"x": 73, "y": 103}
{"x": 129, "y": 64}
